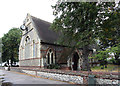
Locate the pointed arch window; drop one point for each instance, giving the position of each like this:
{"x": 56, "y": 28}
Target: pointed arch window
{"x": 50, "y": 57}
{"x": 27, "y": 47}
{"x": 52, "y": 60}
{"x": 34, "y": 49}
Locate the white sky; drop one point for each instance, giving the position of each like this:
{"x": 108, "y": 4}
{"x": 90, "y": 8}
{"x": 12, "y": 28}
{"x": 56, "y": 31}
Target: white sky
{"x": 13, "y": 12}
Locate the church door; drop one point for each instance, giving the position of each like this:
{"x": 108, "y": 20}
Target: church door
{"x": 75, "y": 61}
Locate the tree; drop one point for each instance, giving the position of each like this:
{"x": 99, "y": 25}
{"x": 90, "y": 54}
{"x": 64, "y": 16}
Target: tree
{"x": 0, "y": 49}
{"x": 116, "y": 51}
{"x": 0, "y": 44}
{"x": 102, "y": 57}
{"x": 81, "y": 24}
{"x": 111, "y": 32}
{"x": 11, "y": 41}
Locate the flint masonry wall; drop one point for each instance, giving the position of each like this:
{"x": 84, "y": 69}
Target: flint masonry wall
{"x": 72, "y": 78}
{"x": 78, "y": 77}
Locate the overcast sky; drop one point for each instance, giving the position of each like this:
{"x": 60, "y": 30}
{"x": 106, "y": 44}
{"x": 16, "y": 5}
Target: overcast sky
{"x": 13, "y": 12}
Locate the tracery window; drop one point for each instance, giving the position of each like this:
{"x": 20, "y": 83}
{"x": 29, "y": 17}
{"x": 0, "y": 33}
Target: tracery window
{"x": 27, "y": 47}
{"x": 34, "y": 49}
{"x": 52, "y": 60}
{"x": 50, "y": 57}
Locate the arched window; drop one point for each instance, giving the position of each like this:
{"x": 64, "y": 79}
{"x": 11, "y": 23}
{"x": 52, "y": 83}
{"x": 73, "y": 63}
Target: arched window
{"x": 34, "y": 49}
{"x": 50, "y": 57}
{"x": 52, "y": 60}
{"x": 27, "y": 47}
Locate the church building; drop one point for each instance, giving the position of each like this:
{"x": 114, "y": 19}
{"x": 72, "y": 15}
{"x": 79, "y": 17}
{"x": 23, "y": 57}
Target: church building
{"x": 38, "y": 47}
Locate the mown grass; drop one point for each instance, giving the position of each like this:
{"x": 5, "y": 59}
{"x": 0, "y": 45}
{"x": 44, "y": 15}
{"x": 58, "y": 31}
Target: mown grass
{"x": 110, "y": 68}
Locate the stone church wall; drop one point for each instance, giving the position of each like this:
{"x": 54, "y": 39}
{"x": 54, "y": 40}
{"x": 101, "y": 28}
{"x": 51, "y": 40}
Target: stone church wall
{"x": 34, "y": 52}
{"x": 58, "y": 50}
{"x": 30, "y": 63}
{"x": 55, "y": 49}
{"x": 27, "y": 57}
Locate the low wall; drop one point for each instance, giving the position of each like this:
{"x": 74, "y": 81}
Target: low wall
{"x": 61, "y": 77}
{"x": 78, "y": 77}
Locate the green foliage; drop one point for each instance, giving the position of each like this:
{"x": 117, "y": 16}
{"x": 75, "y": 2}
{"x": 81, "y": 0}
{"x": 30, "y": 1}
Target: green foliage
{"x": 116, "y": 51}
{"x": 91, "y": 57}
{"x": 102, "y": 55}
{"x": 110, "y": 33}
{"x": 0, "y": 49}
{"x": 0, "y": 44}
{"x": 80, "y": 24}
{"x": 11, "y": 41}
{"x": 112, "y": 60}
{"x": 76, "y": 22}
{"x": 53, "y": 66}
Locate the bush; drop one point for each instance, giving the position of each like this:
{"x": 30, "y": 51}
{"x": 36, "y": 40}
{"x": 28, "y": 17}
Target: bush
{"x": 53, "y": 66}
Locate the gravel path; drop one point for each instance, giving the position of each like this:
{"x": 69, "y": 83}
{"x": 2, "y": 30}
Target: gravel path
{"x": 17, "y": 78}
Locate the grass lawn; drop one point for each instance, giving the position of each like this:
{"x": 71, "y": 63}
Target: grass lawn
{"x": 110, "y": 68}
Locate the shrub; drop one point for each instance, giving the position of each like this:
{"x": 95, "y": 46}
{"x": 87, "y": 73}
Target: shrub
{"x": 53, "y": 66}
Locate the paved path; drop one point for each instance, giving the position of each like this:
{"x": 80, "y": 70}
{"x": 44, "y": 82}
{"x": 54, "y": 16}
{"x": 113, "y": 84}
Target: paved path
{"x": 17, "y": 78}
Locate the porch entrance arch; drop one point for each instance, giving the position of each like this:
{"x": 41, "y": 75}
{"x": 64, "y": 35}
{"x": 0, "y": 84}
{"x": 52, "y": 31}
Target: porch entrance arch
{"x": 75, "y": 60}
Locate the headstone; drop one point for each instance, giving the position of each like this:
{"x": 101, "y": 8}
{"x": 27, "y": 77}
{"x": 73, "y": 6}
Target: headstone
{"x": 91, "y": 80}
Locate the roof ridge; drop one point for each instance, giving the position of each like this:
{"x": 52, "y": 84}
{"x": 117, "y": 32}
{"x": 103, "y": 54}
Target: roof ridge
{"x": 43, "y": 28}
{"x": 41, "y": 20}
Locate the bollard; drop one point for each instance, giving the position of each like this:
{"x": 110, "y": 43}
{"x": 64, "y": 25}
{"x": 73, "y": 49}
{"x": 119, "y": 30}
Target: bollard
{"x": 91, "y": 80}
{"x": 36, "y": 72}
{"x": 8, "y": 68}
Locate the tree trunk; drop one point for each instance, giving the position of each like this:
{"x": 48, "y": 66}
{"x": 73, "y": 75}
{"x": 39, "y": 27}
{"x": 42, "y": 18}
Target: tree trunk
{"x": 11, "y": 61}
{"x": 85, "y": 65}
{"x": 8, "y": 61}
{"x": 116, "y": 59}
{"x": 12, "y": 58}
